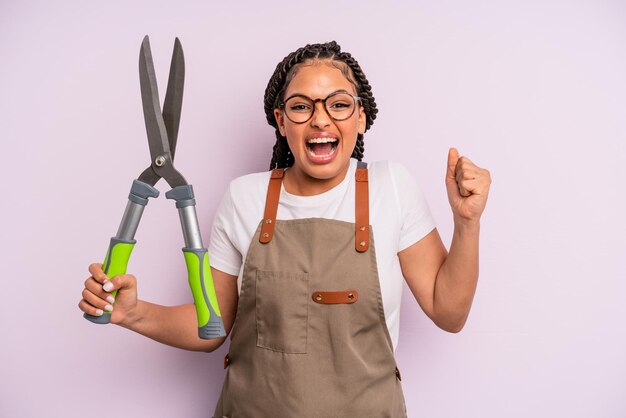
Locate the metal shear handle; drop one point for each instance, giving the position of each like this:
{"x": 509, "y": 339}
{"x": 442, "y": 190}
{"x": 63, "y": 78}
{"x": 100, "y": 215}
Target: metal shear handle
{"x": 162, "y": 129}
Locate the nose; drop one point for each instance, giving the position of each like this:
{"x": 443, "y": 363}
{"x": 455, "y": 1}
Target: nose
{"x": 320, "y": 117}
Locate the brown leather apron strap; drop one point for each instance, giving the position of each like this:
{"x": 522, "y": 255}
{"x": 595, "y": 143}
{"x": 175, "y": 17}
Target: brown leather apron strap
{"x": 271, "y": 205}
{"x": 362, "y": 222}
{"x": 362, "y": 215}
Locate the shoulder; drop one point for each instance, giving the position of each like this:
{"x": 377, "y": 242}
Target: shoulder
{"x": 249, "y": 186}
{"x": 392, "y": 181}
{"x": 242, "y": 204}
{"x": 247, "y": 196}
{"x": 388, "y": 172}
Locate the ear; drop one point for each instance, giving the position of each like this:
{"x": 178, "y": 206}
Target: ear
{"x": 278, "y": 115}
{"x": 361, "y": 120}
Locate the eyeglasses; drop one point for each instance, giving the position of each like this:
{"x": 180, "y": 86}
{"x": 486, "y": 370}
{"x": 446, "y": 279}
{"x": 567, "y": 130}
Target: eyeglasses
{"x": 339, "y": 105}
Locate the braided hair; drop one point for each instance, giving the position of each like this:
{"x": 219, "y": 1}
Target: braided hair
{"x": 285, "y": 72}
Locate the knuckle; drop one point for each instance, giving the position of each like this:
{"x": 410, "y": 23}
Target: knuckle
{"x": 86, "y": 307}
{"x": 96, "y": 271}
{"x": 91, "y": 285}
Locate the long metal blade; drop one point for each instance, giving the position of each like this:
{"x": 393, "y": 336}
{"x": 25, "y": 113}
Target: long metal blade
{"x": 174, "y": 95}
{"x": 155, "y": 126}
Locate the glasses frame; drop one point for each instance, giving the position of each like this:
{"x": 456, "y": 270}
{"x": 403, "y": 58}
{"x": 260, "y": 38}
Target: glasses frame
{"x": 357, "y": 100}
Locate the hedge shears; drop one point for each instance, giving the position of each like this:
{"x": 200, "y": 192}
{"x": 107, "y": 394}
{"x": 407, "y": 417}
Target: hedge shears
{"x": 162, "y": 129}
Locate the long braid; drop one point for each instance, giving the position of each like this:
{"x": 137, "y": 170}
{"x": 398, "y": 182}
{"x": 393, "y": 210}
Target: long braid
{"x": 285, "y": 71}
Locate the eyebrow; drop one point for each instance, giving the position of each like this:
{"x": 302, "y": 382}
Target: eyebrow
{"x": 333, "y": 92}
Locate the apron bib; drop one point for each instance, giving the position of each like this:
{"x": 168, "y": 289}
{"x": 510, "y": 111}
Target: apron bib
{"x": 310, "y": 338}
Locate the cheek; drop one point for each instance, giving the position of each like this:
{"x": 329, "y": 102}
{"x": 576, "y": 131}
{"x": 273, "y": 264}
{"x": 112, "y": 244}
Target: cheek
{"x": 350, "y": 132}
{"x": 293, "y": 133}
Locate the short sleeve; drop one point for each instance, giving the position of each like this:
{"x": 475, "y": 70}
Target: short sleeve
{"x": 223, "y": 255}
{"x": 416, "y": 218}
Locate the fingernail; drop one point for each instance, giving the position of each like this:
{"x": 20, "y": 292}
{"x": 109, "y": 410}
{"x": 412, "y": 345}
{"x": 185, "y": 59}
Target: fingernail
{"x": 99, "y": 312}
{"x": 111, "y": 299}
{"x": 108, "y": 308}
{"x": 108, "y": 286}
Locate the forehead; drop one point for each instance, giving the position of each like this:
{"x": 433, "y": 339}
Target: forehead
{"x": 317, "y": 80}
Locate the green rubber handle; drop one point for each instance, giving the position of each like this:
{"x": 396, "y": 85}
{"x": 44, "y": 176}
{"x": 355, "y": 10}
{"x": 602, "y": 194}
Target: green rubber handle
{"x": 210, "y": 323}
{"x": 115, "y": 263}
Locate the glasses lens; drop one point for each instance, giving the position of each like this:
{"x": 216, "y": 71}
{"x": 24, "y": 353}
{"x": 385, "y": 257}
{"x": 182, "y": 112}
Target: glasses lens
{"x": 340, "y": 106}
{"x": 299, "y": 109}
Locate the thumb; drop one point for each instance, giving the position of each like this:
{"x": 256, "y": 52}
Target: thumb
{"x": 121, "y": 281}
{"x": 451, "y": 185}
{"x": 453, "y": 158}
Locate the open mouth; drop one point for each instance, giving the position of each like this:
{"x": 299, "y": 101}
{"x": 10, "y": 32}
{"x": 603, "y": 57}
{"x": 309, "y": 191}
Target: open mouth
{"x": 322, "y": 147}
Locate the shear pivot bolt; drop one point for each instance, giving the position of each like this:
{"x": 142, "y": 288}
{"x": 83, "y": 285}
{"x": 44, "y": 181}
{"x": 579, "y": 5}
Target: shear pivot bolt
{"x": 160, "y": 161}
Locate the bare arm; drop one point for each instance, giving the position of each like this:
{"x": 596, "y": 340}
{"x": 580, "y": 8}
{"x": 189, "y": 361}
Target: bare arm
{"x": 172, "y": 325}
{"x": 444, "y": 283}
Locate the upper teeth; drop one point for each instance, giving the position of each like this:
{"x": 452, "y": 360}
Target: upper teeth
{"x": 321, "y": 140}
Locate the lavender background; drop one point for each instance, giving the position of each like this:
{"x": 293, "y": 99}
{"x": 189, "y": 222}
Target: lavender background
{"x": 534, "y": 91}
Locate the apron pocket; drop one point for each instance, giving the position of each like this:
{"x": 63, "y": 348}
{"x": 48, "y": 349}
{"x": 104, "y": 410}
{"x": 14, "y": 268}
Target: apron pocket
{"x": 282, "y": 315}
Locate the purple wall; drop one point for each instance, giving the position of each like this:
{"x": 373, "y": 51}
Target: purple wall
{"x": 533, "y": 91}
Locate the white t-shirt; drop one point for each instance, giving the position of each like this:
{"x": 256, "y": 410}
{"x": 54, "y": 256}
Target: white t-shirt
{"x": 399, "y": 215}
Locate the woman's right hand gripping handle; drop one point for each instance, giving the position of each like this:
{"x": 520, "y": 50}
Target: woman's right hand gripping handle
{"x": 172, "y": 325}
{"x": 97, "y": 296}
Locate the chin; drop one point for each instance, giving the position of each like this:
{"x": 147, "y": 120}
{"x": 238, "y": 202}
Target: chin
{"x": 327, "y": 171}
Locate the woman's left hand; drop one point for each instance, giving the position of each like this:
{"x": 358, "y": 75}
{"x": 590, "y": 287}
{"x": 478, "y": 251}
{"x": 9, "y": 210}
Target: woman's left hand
{"x": 468, "y": 188}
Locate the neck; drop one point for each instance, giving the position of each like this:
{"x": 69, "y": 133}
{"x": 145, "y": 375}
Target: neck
{"x": 299, "y": 183}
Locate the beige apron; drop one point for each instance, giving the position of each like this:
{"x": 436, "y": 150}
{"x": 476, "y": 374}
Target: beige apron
{"x": 310, "y": 338}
